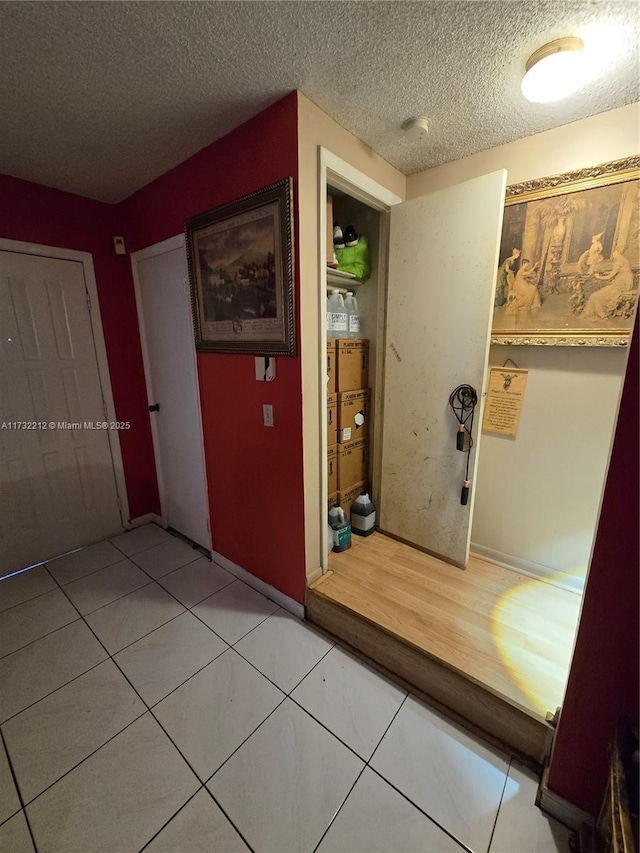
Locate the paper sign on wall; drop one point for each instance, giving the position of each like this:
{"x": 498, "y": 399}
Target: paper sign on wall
{"x": 504, "y": 400}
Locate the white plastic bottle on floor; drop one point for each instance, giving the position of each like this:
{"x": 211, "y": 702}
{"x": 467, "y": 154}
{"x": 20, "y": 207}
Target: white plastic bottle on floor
{"x": 351, "y": 306}
{"x": 339, "y": 319}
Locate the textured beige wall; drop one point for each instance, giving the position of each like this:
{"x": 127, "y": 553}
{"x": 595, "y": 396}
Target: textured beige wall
{"x": 316, "y": 128}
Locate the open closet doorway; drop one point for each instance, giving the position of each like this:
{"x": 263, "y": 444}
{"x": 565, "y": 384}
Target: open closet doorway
{"x": 448, "y": 631}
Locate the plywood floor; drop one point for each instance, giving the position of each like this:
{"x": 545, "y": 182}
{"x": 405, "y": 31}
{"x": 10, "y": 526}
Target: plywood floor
{"x": 505, "y": 630}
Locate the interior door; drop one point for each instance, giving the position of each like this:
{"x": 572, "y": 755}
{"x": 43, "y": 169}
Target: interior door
{"x": 172, "y": 382}
{"x": 57, "y": 481}
{"x": 443, "y": 255}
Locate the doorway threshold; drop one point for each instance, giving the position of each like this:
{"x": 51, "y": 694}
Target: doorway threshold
{"x": 488, "y": 645}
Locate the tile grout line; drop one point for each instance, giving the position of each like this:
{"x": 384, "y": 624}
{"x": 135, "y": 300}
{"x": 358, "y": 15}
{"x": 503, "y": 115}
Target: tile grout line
{"x": 22, "y": 808}
{"x": 170, "y": 571}
{"x": 229, "y": 757}
{"x": 184, "y": 805}
{"x": 240, "y": 581}
{"x": 102, "y": 606}
{"x": 61, "y": 587}
{"x": 147, "y": 711}
{"x": 167, "y": 735}
{"x": 204, "y": 788}
{"x": 447, "y": 832}
{"x": 285, "y": 696}
{"x": 504, "y": 788}
{"x": 145, "y": 704}
{"x": 26, "y": 600}
{"x": 31, "y": 642}
{"x": 340, "y": 807}
{"x": 182, "y": 683}
{"x": 404, "y": 796}
{"x": 82, "y": 760}
{"x": 188, "y": 763}
{"x": 366, "y": 764}
{"x": 122, "y": 559}
{"x": 51, "y": 692}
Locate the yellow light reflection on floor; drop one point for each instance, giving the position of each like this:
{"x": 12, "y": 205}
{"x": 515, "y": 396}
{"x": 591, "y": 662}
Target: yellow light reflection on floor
{"x": 534, "y": 621}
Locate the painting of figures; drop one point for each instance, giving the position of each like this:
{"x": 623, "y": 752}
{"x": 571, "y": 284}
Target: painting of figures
{"x": 569, "y": 264}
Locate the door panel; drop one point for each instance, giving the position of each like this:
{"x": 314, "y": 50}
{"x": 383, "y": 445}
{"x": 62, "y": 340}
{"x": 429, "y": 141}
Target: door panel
{"x": 443, "y": 255}
{"x": 171, "y": 363}
{"x": 58, "y": 488}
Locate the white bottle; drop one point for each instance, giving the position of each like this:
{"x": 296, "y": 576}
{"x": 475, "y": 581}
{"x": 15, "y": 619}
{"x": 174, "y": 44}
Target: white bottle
{"x": 339, "y": 318}
{"x": 351, "y": 305}
{"x": 329, "y": 320}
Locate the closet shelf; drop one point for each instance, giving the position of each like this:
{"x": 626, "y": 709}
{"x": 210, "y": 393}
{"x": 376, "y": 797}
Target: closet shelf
{"x": 339, "y": 278}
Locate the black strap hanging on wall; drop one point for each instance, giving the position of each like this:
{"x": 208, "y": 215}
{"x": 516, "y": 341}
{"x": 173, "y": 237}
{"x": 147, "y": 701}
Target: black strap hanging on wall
{"x": 463, "y": 400}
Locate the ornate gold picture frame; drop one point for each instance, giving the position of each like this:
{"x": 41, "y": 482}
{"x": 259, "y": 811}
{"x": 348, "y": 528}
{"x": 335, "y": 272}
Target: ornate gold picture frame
{"x": 240, "y": 260}
{"x": 569, "y": 266}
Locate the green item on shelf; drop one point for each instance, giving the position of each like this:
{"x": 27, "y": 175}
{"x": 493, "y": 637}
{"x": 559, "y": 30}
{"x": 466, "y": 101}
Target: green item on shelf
{"x": 355, "y": 259}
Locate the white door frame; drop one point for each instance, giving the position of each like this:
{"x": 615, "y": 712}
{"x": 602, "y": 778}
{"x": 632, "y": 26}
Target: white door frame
{"x": 343, "y": 176}
{"x": 168, "y": 245}
{"x": 86, "y": 259}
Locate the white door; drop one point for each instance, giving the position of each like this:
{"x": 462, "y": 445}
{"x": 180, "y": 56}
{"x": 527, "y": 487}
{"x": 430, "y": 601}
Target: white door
{"x": 172, "y": 384}
{"x": 443, "y": 255}
{"x": 57, "y": 480}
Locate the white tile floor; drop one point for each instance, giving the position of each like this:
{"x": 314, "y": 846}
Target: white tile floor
{"x": 149, "y": 700}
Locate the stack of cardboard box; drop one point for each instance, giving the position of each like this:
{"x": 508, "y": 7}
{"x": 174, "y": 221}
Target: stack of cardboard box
{"x": 348, "y": 407}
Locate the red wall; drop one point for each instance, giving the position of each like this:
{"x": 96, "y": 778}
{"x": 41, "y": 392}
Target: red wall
{"x": 37, "y": 214}
{"x": 603, "y": 682}
{"x": 254, "y": 473}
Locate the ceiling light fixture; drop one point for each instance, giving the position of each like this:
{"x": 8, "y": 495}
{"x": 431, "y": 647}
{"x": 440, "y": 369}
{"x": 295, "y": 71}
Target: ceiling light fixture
{"x": 555, "y": 71}
{"x": 416, "y": 128}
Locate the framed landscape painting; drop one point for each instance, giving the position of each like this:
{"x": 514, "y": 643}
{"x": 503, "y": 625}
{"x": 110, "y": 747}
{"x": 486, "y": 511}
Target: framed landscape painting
{"x": 240, "y": 259}
{"x": 569, "y": 265}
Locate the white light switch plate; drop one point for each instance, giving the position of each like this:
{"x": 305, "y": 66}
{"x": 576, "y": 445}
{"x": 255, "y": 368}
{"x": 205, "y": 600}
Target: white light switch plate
{"x": 267, "y": 415}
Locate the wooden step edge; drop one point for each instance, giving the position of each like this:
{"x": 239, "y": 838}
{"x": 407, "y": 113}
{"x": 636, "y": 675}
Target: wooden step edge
{"x": 440, "y": 661}
{"x": 466, "y": 701}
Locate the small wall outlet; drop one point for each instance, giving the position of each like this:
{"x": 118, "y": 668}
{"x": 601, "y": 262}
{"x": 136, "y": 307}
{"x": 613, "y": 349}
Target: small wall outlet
{"x": 267, "y": 415}
{"x": 118, "y": 245}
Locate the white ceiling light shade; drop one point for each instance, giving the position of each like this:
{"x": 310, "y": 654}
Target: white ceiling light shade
{"x": 555, "y": 71}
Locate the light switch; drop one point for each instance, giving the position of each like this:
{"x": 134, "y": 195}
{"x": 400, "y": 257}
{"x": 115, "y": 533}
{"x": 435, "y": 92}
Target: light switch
{"x": 267, "y": 415}
{"x": 265, "y": 368}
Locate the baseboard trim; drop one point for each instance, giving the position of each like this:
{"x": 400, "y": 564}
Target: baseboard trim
{"x": 148, "y": 518}
{"x": 260, "y": 586}
{"x": 314, "y": 576}
{"x": 563, "y": 580}
{"x": 559, "y": 808}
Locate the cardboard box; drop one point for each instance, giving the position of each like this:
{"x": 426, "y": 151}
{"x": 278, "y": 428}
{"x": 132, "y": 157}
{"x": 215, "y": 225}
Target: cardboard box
{"x": 332, "y": 468}
{"x": 331, "y": 367}
{"x": 329, "y": 229}
{"x": 353, "y": 415}
{"x": 332, "y": 419}
{"x": 346, "y": 498}
{"x": 332, "y": 501}
{"x": 352, "y": 358}
{"x": 353, "y": 463}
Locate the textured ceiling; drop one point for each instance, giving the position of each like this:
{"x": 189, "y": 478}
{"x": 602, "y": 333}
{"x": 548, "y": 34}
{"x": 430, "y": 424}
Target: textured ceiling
{"x": 100, "y": 98}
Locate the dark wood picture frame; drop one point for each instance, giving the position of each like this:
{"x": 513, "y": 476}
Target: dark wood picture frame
{"x": 241, "y": 272}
